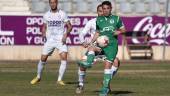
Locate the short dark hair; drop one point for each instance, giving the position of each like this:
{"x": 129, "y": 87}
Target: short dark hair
{"x": 100, "y": 5}
{"x": 107, "y": 3}
{"x": 50, "y": 0}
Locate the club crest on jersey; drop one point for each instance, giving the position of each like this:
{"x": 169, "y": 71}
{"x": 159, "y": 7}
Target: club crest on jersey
{"x": 111, "y": 21}
{"x": 59, "y": 17}
{"x": 101, "y": 20}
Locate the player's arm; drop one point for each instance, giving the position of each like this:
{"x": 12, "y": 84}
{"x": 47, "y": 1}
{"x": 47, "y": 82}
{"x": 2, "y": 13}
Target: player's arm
{"x": 83, "y": 33}
{"x": 69, "y": 28}
{"x": 44, "y": 27}
{"x": 120, "y": 31}
{"x": 96, "y": 35}
{"x": 120, "y": 26}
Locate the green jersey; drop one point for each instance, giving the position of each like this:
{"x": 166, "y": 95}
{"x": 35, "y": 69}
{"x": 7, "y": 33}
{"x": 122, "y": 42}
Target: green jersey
{"x": 107, "y": 25}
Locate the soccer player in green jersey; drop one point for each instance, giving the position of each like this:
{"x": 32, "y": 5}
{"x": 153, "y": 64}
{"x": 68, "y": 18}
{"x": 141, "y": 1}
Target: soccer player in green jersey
{"x": 90, "y": 27}
{"x": 111, "y": 26}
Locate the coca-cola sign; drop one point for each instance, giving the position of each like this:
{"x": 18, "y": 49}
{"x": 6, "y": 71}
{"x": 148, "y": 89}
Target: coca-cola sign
{"x": 153, "y": 25}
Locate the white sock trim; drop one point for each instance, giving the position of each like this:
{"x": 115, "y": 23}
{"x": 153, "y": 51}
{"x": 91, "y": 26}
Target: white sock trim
{"x": 107, "y": 71}
{"x": 81, "y": 76}
{"x": 91, "y": 52}
{"x": 114, "y": 68}
{"x": 42, "y": 62}
{"x": 109, "y": 61}
{"x": 81, "y": 84}
{"x": 81, "y": 72}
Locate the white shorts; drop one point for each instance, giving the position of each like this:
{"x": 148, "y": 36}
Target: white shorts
{"x": 49, "y": 47}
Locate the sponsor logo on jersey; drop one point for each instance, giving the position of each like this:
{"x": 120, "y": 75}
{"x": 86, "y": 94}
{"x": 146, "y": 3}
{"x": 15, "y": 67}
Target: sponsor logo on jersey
{"x": 54, "y": 23}
{"x": 109, "y": 28}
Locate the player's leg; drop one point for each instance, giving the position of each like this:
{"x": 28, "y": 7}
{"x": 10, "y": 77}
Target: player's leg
{"x": 110, "y": 53}
{"x": 47, "y": 50}
{"x": 40, "y": 68}
{"x": 115, "y": 66}
{"x": 41, "y": 65}
{"x": 81, "y": 77}
{"x": 82, "y": 72}
{"x": 114, "y": 69}
{"x": 106, "y": 79}
{"x": 63, "y": 64}
{"x": 90, "y": 57}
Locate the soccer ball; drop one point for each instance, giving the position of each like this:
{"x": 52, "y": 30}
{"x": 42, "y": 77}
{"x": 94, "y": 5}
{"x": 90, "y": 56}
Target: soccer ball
{"x": 102, "y": 41}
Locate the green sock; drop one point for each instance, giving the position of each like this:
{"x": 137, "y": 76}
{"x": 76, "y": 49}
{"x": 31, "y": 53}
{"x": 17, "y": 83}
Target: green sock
{"x": 106, "y": 81}
{"x": 90, "y": 58}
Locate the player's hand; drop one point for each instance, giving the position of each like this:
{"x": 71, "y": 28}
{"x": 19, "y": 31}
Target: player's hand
{"x": 116, "y": 33}
{"x": 98, "y": 49}
{"x": 44, "y": 38}
{"x": 85, "y": 44}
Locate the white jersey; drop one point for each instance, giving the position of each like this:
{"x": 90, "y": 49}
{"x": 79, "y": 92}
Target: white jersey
{"x": 55, "y": 25}
{"x": 90, "y": 27}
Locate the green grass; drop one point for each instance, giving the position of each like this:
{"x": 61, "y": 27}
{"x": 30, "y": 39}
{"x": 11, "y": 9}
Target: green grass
{"x": 131, "y": 80}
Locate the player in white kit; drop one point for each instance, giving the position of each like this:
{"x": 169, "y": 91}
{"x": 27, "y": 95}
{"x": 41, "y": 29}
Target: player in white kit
{"x": 55, "y": 33}
{"x": 90, "y": 27}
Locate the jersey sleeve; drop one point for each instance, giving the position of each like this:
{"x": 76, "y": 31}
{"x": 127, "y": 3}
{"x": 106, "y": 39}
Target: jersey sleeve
{"x": 119, "y": 23}
{"x": 85, "y": 30}
{"x": 66, "y": 19}
{"x": 97, "y": 26}
{"x": 45, "y": 19}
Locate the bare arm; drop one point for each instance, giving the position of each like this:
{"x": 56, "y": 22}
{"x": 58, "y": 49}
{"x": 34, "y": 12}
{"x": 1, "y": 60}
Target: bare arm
{"x": 96, "y": 35}
{"x": 69, "y": 28}
{"x": 120, "y": 31}
{"x": 83, "y": 33}
{"x": 120, "y": 26}
{"x": 44, "y": 28}
{"x": 92, "y": 41}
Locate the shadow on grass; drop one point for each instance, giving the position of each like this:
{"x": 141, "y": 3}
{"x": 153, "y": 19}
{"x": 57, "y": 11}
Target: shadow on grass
{"x": 121, "y": 92}
{"x": 71, "y": 82}
{"x": 117, "y": 93}
{"x": 74, "y": 82}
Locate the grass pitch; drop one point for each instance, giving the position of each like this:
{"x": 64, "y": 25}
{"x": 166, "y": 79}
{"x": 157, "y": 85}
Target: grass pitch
{"x": 131, "y": 80}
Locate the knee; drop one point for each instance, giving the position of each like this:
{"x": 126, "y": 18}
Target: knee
{"x": 82, "y": 69}
{"x": 116, "y": 62}
{"x": 63, "y": 56}
{"x": 44, "y": 58}
{"x": 90, "y": 49}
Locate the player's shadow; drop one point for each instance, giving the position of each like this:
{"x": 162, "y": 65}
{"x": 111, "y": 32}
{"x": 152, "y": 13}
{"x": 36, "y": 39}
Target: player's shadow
{"x": 74, "y": 82}
{"x": 71, "y": 82}
{"x": 119, "y": 93}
